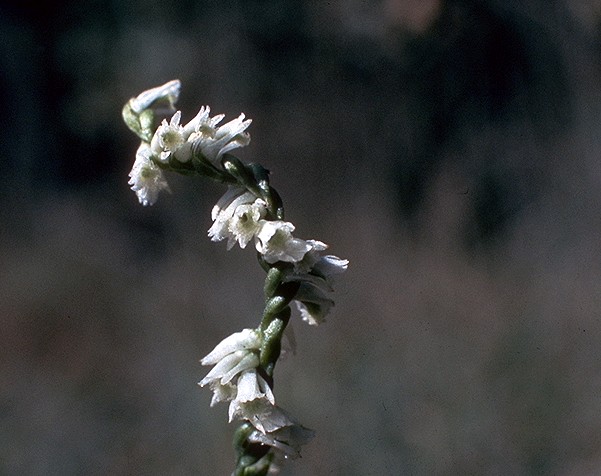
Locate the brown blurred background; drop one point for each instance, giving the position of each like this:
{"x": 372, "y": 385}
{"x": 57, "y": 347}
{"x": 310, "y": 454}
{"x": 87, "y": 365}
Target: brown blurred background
{"x": 449, "y": 149}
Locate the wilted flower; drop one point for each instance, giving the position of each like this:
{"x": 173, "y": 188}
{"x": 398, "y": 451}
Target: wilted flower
{"x": 262, "y": 413}
{"x": 312, "y": 303}
{"x": 316, "y": 275}
{"x": 286, "y": 441}
{"x": 146, "y": 178}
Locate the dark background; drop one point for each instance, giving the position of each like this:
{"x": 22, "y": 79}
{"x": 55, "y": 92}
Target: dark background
{"x": 449, "y": 149}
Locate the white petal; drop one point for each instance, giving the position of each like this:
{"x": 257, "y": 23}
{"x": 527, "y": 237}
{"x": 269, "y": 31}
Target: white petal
{"x": 264, "y": 416}
{"x": 200, "y": 118}
{"x": 271, "y": 419}
{"x": 245, "y": 339}
{"x": 225, "y": 200}
{"x": 329, "y": 266}
{"x": 225, "y": 365}
{"x": 252, "y": 386}
{"x": 249, "y": 361}
{"x": 213, "y": 142}
{"x": 222, "y": 393}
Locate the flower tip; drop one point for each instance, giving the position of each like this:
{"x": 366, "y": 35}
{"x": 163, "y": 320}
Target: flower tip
{"x": 168, "y": 91}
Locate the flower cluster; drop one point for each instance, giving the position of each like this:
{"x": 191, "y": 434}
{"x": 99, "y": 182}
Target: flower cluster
{"x": 299, "y": 272}
{"x": 236, "y": 378}
{"x": 201, "y": 137}
{"x": 239, "y": 217}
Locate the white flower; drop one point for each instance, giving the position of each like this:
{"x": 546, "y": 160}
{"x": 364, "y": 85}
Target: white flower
{"x": 253, "y": 392}
{"x": 146, "y": 178}
{"x": 316, "y": 275}
{"x": 231, "y": 357}
{"x": 170, "y": 140}
{"x": 276, "y": 243}
{"x": 212, "y": 142}
{"x": 168, "y": 92}
{"x": 315, "y": 264}
{"x": 245, "y": 223}
{"x": 199, "y": 136}
{"x": 237, "y": 217}
{"x": 203, "y": 124}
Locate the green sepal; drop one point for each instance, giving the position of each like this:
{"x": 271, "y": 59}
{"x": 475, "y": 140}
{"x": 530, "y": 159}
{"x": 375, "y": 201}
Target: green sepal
{"x": 240, "y": 436}
{"x": 274, "y": 306}
{"x": 140, "y": 124}
{"x": 277, "y": 205}
{"x": 259, "y": 468}
{"x": 261, "y": 175}
{"x": 240, "y": 172}
{"x": 207, "y": 169}
{"x": 284, "y": 293}
{"x": 267, "y": 192}
{"x": 251, "y": 459}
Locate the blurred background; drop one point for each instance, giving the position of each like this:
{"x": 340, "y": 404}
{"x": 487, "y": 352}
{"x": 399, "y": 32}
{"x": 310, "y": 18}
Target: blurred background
{"x": 449, "y": 149}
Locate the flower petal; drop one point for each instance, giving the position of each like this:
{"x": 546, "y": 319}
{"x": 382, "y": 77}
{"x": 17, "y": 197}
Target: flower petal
{"x": 244, "y": 340}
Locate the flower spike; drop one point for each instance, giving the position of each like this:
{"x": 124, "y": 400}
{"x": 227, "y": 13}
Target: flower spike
{"x": 299, "y": 274}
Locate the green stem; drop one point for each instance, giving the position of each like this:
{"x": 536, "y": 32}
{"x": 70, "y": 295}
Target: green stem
{"x": 254, "y": 459}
